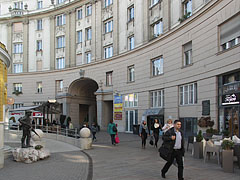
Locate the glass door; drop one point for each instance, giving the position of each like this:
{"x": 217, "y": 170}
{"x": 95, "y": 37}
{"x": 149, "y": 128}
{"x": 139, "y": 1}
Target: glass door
{"x": 232, "y": 120}
{"x": 131, "y": 119}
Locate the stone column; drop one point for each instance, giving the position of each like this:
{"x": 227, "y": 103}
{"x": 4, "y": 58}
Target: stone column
{"x": 72, "y": 36}
{"x": 99, "y": 109}
{"x": 52, "y": 42}
{"x": 67, "y": 41}
{"x": 25, "y": 44}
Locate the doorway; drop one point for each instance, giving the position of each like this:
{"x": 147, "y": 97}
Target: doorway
{"x": 189, "y": 126}
{"x": 131, "y": 119}
{"x": 232, "y": 120}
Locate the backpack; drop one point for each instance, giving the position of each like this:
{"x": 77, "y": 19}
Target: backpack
{"x": 114, "y": 128}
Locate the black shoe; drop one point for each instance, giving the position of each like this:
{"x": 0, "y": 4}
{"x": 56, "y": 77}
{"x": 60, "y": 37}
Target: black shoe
{"x": 163, "y": 175}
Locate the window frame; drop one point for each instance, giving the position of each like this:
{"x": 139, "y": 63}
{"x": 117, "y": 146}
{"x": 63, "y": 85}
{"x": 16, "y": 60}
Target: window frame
{"x": 185, "y": 7}
{"x": 109, "y": 77}
{"x": 60, "y": 63}
{"x": 157, "y": 101}
{"x": 131, "y": 75}
{"x": 88, "y": 10}
{"x": 157, "y": 31}
{"x": 61, "y": 43}
{"x": 88, "y": 57}
{"x": 39, "y": 25}
{"x": 108, "y": 51}
{"x": 89, "y": 33}
{"x": 185, "y": 90}
{"x": 39, "y": 45}
{"x": 39, "y": 87}
{"x": 187, "y": 52}
{"x": 131, "y": 13}
{"x": 153, "y": 69}
{"x": 79, "y": 13}
{"x": 17, "y": 87}
{"x": 79, "y": 37}
{"x": 61, "y": 20}
{"x": 131, "y": 43}
{"x": 108, "y": 26}
{"x": 133, "y": 103}
{"x": 18, "y": 69}
{"x": 39, "y": 4}
{"x": 18, "y": 48}
{"x": 108, "y": 3}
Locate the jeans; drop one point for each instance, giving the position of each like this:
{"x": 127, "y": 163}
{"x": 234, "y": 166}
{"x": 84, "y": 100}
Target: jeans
{"x": 94, "y": 135}
{"x": 176, "y": 154}
{"x": 156, "y": 137}
{"x": 113, "y": 138}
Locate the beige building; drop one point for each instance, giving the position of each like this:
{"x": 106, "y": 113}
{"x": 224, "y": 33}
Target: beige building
{"x": 129, "y": 60}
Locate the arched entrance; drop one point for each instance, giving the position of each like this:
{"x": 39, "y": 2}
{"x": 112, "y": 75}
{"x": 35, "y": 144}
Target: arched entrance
{"x": 82, "y": 101}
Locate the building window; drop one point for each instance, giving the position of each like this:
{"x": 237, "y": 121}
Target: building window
{"x": 79, "y": 36}
{"x": 157, "y": 66}
{"x": 38, "y": 103}
{"x": 230, "y": 33}
{"x": 108, "y": 2}
{"x": 61, "y": 42}
{"x": 153, "y": 2}
{"x": 131, "y": 13}
{"x": 39, "y": 87}
{"x": 18, "y": 5}
{"x": 17, "y": 87}
{"x": 61, "y": 20}
{"x": 39, "y": 4}
{"x": 187, "y": 8}
{"x": 109, "y": 78}
{"x": 131, "y": 100}
{"x": 158, "y": 28}
{"x": 88, "y": 57}
{"x": 18, "y": 48}
{"x": 89, "y": 10}
{"x": 17, "y": 68}
{"x": 131, "y": 42}
{"x": 59, "y": 85}
{"x": 187, "y": 49}
{"x": 108, "y": 52}
{"x": 17, "y": 105}
{"x": 60, "y": 1}
{"x": 60, "y": 63}
{"x": 89, "y": 33}
{"x": 39, "y": 45}
{"x": 39, "y": 24}
{"x": 131, "y": 74}
{"x": 79, "y": 14}
{"x": 108, "y": 26}
{"x": 157, "y": 99}
{"x": 188, "y": 94}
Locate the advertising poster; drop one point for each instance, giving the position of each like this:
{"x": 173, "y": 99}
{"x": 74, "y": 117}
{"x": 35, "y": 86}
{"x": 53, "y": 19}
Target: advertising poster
{"x": 117, "y": 107}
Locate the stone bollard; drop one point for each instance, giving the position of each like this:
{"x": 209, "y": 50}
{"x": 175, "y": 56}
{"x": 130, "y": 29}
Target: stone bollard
{"x": 85, "y": 139}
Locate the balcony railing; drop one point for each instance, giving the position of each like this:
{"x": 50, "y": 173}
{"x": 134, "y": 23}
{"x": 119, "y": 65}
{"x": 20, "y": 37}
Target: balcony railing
{"x": 17, "y": 12}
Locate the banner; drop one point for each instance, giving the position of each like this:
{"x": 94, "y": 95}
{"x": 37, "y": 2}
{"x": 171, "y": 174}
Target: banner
{"x": 117, "y": 107}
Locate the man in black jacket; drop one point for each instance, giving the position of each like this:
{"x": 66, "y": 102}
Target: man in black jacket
{"x": 173, "y": 140}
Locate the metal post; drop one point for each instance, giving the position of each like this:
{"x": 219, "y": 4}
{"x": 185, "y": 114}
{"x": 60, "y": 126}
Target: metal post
{"x": 66, "y": 131}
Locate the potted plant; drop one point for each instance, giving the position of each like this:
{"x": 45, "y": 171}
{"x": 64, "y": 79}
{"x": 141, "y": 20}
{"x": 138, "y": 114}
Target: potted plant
{"x": 227, "y": 155}
{"x": 225, "y": 133}
{"x": 198, "y": 146}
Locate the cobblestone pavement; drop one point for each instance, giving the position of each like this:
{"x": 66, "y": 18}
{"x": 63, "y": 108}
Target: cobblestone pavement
{"x": 63, "y": 164}
{"x": 127, "y": 161}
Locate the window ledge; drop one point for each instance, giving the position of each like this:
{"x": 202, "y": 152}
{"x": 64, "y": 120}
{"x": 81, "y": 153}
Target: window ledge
{"x": 130, "y": 21}
{"x": 156, "y": 75}
{"x": 38, "y": 93}
{"x": 107, "y": 32}
{"x": 221, "y": 52}
{"x": 109, "y": 85}
{"x": 185, "y": 105}
{"x": 130, "y": 82}
{"x": 39, "y": 30}
{"x": 189, "y": 65}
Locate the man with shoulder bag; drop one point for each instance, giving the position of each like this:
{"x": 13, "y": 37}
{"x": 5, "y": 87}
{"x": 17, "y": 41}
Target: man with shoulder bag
{"x": 173, "y": 148}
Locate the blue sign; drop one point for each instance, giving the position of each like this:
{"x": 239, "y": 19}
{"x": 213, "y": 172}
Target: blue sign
{"x": 118, "y": 99}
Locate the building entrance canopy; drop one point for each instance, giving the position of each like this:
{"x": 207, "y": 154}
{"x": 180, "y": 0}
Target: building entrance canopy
{"x": 155, "y": 111}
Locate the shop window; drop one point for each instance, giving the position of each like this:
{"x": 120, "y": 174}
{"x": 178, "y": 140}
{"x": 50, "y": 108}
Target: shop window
{"x": 230, "y": 33}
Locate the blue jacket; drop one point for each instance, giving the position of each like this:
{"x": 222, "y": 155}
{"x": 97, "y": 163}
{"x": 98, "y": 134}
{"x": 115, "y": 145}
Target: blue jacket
{"x": 110, "y": 128}
{"x": 140, "y": 129}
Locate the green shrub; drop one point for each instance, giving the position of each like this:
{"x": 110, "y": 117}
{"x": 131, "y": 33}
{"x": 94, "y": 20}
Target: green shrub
{"x": 227, "y": 144}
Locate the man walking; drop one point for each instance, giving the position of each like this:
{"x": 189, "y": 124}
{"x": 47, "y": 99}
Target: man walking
{"x": 173, "y": 140}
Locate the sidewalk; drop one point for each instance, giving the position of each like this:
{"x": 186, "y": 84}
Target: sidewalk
{"x": 127, "y": 161}
{"x": 66, "y": 162}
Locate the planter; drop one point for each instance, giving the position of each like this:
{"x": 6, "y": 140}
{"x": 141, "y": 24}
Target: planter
{"x": 227, "y": 161}
{"x": 198, "y": 150}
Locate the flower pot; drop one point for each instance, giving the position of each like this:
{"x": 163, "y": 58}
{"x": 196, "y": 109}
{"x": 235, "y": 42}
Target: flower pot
{"x": 198, "y": 150}
{"x": 227, "y": 161}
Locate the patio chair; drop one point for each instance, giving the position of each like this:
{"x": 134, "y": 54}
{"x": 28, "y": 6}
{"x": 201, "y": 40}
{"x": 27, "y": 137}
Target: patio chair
{"x": 211, "y": 148}
{"x": 190, "y": 141}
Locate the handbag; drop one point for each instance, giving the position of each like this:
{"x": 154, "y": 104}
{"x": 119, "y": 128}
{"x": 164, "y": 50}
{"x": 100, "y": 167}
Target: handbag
{"x": 164, "y": 153}
{"x": 151, "y": 140}
{"x": 114, "y": 128}
{"x": 117, "y": 139}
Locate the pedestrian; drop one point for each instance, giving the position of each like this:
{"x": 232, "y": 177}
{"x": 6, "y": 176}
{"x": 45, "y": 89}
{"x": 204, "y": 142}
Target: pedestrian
{"x": 112, "y": 130}
{"x": 156, "y": 130}
{"x": 173, "y": 140}
{"x": 168, "y": 125}
{"x": 143, "y": 132}
{"x": 94, "y": 131}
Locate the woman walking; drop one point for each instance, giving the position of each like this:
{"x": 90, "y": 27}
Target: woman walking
{"x": 167, "y": 126}
{"x": 143, "y": 132}
{"x": 94, "y": 131}
{"x": 112, "y": 130}
{"x": 156, "y": 130}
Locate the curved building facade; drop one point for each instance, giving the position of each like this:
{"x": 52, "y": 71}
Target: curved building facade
{"x": 130, "y": 60}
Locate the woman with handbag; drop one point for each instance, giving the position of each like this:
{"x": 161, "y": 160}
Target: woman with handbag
{"x": 143, "y": 132}
{"x": 112, "y": 130}
{"x": 156, "y": 130}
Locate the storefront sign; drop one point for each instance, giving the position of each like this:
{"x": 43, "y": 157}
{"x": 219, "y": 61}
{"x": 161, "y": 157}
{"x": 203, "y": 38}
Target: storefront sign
{"x": 37, "y": 115}
{"x": 231, "y": 99}
{"x": 206, "y": 108}
{"x": 118, "y": 107}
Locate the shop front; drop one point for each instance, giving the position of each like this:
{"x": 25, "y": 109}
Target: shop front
{"x": 229, "y": 103}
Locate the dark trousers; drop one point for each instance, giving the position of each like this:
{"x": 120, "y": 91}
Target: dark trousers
{"x": 156, "y": 137}
{"x": 144, "y": 138}
{"x": 176, "y": 154}
{"x": 26, "y": 133}
{"x": 94, "y": 135}
{"x": 113, "y": 138}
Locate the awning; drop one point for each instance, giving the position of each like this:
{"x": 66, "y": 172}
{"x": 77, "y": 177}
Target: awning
{"x": 153, "y": 111}
{"x": 25, "y": 108}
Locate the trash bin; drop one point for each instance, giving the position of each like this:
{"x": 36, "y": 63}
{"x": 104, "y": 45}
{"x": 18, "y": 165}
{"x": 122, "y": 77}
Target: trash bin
{"x": 136, "y": 129}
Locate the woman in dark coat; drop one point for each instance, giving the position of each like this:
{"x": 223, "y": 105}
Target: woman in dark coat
{"x": 143, "y": 132}
{"x": 156, "y": 128}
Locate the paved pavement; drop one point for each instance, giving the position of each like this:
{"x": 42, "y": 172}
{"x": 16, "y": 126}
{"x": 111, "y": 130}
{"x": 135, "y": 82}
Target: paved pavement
{"x": 126, "y": 161}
